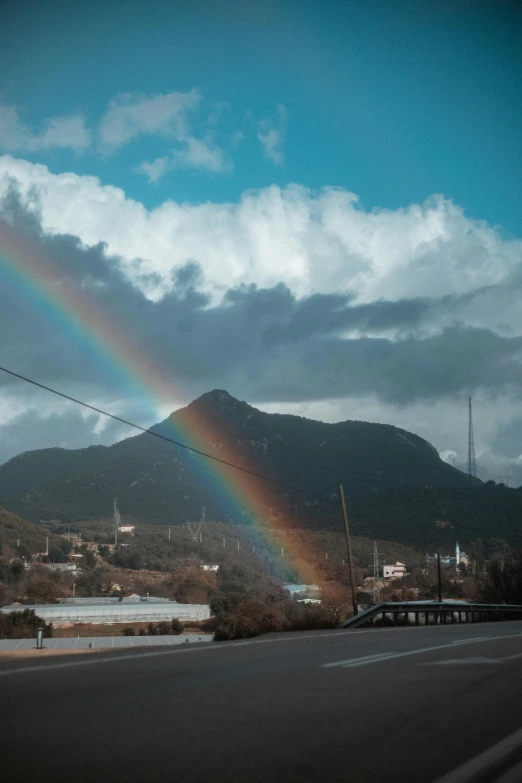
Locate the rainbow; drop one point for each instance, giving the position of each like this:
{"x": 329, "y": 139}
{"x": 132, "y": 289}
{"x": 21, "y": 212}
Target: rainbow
{"x": 103, "y": 342}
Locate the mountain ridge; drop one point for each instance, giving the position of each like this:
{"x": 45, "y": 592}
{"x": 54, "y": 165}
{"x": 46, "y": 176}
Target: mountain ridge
{"x": 160, "y": 483}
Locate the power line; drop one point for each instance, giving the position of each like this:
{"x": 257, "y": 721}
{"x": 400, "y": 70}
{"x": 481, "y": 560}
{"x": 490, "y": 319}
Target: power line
{"x": 151, "y": 432}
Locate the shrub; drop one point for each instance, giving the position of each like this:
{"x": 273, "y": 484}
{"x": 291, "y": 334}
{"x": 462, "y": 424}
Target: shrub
{"x": 251, "y": 617}
{"x": 23, "y": 625}
{"x": 177, "y": 626}
{"x": 129, "y": 632}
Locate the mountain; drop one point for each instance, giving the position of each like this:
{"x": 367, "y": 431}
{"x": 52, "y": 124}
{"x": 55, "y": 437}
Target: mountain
{"x": 158, "y": 482}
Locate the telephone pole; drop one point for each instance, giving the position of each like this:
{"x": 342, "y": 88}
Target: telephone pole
{"x": 349, "y": 548}
{"x": 376, "y": 590}
{"x": 117, "y": 520}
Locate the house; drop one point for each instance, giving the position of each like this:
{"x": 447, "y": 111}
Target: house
{"x": 67, "y": 567}
{"x": 396, "y": 571}
{"x": 206, "y": 567}
{"x": 126, "y": 529}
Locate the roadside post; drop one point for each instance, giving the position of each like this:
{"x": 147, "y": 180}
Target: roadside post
{"x": 39, "y": 638}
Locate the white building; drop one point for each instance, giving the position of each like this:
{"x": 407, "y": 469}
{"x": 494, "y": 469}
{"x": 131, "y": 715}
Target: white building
{"x": 396, "y": 571}
{"x": 209, "y": 567}
{"x": 126, "y": 529}
{"x": 67, "y": 567}
{"x": 107, "y": 610}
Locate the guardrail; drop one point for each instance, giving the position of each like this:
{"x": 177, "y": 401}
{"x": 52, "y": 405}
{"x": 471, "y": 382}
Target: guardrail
{"x": 432, "y": 613}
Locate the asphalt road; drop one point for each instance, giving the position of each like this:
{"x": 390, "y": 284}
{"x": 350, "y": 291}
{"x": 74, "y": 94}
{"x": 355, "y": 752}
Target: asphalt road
{"x": 407, "y": 705}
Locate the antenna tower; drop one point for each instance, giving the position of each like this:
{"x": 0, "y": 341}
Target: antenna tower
{"x": 472, "y": 465}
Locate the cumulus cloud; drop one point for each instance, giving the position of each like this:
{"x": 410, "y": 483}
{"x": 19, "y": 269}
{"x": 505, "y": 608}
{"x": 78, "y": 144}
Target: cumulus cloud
{"x": 272, "y": 134}
{"x": 63, "y": 131}
{"x": 311, "y": 241}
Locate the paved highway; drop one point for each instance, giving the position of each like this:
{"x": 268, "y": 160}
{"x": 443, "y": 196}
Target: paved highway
{"x": 359, "y": 706}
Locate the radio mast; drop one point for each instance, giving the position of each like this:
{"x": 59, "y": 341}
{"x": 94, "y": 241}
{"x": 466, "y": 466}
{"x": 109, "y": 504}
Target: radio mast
{"x": 472, "y": 465}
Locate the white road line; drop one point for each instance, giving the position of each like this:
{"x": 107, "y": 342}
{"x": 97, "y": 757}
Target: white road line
{"x": 481, "y": 764}
{"x": 471, "y": 661}
{"x": 352, "y": 663}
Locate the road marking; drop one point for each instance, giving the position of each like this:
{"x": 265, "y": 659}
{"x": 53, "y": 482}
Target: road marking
{"x": 470, "y": 661}
{"x": 352, "y": 663}
{"x": 482, "y": 764}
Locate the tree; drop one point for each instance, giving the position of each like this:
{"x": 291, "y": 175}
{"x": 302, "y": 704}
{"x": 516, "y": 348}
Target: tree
{"x": 43, "y": 591}
{"x": 503, "y": 581}
{"x": 89, "y": 560}
{"x": 23, "y": 625}
{"x": 476, "y": 557}
{"x": 56, "y": 555}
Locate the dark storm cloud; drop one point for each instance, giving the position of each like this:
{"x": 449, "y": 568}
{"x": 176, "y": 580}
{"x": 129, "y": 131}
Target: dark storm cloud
{"x": 262, "y": 344}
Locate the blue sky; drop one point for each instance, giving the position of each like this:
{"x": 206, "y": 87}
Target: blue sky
{"x": 393, "y": 101}
{"x": 314, "y": 205}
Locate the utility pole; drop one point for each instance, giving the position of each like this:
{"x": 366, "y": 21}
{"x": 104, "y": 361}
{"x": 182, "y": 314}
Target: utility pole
{"x": 224, "y": 543}
{"x": 349, "y": 548}
{"x": 282, "y": 552}
{"x": 439, "y": 577}
{"x": 47, "y": 546}
{"x": 117, "y": 518}
{"x": 376, "y": 591}
{"x": 169, "y": 533}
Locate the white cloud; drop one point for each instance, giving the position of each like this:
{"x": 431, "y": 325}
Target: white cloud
{"x": 272, "y": 136}
{"x": 129, "y": 116}
{"x": 199, "y": 154}
{"x": 192, "y": 153}
{"x": 312, "y": 241}
{"x": 154, "y": 170}
{"x": 63, "y": 131}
